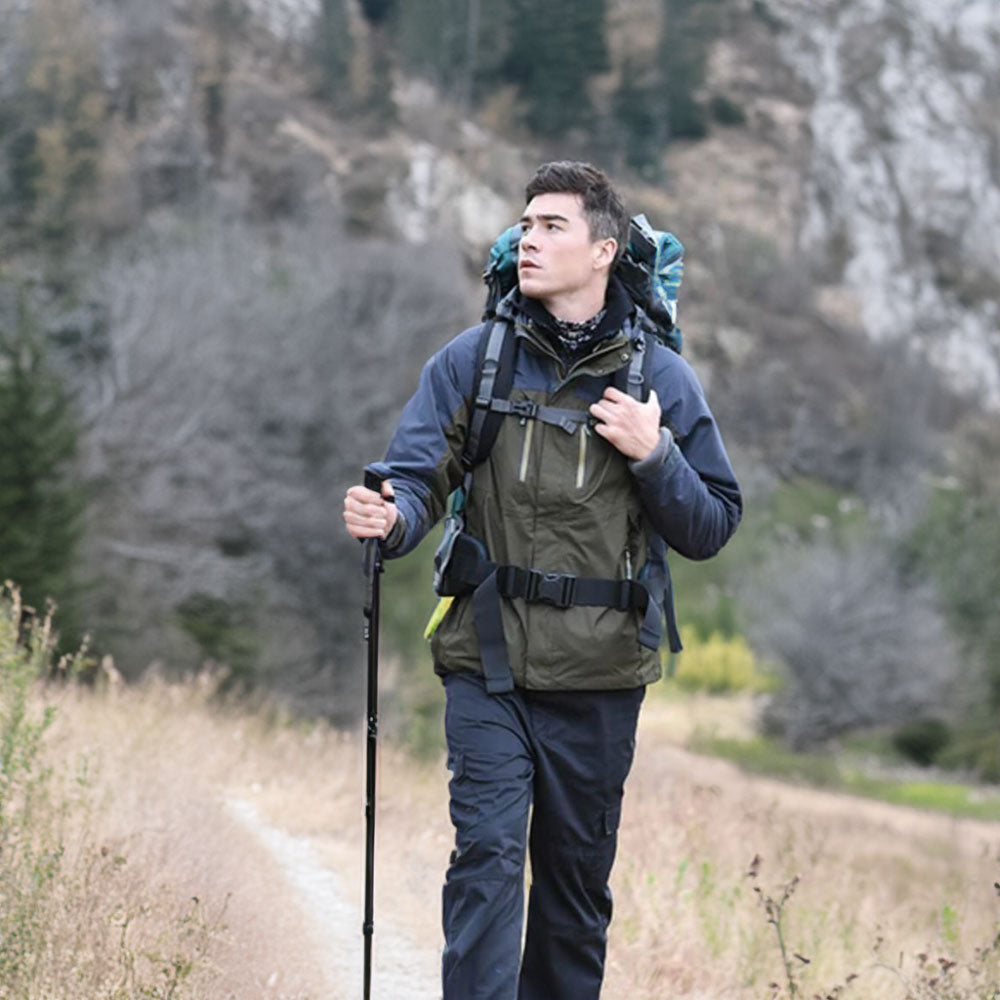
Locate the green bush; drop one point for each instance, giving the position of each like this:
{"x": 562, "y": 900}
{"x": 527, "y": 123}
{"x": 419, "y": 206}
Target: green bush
{"x": 719, "y": 665}
{"x": 224, "y": 633}
{"x": 726, "y": 111}
{"x": 922, "y": 740}
{"x": 957, "y": 544}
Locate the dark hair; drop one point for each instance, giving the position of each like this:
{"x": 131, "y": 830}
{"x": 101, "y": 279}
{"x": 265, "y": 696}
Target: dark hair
{"x": 602, "y": 207}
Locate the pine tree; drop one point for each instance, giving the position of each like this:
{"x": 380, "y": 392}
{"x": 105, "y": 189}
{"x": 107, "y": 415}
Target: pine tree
{"x": 555, "y": 49}
{"x": 57, "y": 144}
{"x": 333, "y": 51}
{"x": 430, "y": 37}
{"x": 220, "y": 20}
{"x": 689, "y": 26}
{"x": 377, "y": 11}
{"x": 458, "y": 45}
{"x": 640, "y": 118}
{"x": 40, "y": 508}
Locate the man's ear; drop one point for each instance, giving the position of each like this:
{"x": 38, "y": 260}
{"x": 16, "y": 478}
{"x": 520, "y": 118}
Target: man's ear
{"x": 604, "y": 253}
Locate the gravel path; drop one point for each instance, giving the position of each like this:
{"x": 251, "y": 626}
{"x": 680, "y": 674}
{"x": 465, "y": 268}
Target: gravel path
{"x": 402, "y": 969}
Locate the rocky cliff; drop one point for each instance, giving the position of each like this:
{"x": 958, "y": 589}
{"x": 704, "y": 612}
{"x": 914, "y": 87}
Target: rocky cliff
{"x": 903, "y": 181}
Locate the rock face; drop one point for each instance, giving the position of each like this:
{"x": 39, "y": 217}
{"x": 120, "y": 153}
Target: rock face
{"x": 289, "y": 20}
{"x": 903, "y": 191}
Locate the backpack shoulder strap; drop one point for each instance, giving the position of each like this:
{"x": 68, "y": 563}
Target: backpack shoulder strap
{"x": 636, "y": 378}
{"x": 494, "y": 379}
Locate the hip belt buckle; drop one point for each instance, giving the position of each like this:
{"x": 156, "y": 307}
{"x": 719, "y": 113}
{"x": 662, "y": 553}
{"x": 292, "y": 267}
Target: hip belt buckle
{"x": 551, "y": 588}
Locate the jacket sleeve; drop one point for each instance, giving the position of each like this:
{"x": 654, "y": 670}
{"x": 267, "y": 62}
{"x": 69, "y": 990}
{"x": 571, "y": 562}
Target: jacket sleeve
{"x": 423, "y": 461}
{"x": 687, "y": 485}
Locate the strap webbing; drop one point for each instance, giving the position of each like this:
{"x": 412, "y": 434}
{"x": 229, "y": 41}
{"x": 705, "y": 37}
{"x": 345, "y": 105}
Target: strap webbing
{"x": 567, "y": 420}
{"x": 488, "y": 372}
{"x": 489, "y": 629}
{"x": 562, "y": 590}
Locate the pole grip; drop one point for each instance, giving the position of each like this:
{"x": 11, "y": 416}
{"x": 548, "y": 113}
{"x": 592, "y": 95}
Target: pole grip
{"x": 372, "y": 554}
{"x": 374, "y": 481}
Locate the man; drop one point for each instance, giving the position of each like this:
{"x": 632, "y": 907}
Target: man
{"x": 541, "y": 710}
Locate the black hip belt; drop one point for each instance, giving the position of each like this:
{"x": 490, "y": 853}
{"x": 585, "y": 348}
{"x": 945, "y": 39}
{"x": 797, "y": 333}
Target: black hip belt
{"x": 466, "y": 568}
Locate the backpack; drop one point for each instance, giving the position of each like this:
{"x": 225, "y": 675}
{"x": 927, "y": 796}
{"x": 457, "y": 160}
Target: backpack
{"x": 650, "y": 270}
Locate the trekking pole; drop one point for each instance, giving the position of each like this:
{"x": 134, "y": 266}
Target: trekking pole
{"x": 373, "y": 570}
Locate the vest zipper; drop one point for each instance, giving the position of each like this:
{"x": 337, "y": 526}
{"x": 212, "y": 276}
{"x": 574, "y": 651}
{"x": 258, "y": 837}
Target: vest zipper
{"x": 522, "y": 472}
{"x": 630, "y": 542}
{"x": 581, "y": 464}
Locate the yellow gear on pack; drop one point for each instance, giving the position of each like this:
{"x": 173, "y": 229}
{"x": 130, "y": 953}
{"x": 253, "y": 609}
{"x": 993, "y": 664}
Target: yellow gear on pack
{"x": 435, "y": 619}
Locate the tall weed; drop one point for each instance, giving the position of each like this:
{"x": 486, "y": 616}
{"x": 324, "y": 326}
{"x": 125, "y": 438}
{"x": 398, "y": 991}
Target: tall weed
{"x": 74, "y": 922}
{"x": 30, "y": 856}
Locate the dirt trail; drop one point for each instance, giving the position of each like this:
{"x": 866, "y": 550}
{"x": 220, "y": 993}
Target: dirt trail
{"x": 403, "y": 969}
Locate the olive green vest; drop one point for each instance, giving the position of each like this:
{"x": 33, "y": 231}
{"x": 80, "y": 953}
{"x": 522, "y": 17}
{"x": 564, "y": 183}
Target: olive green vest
{"x": 565, "y": 503}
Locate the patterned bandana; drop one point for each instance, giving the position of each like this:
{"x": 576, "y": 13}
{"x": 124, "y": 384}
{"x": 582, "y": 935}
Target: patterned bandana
{"x": 574, "y": 339}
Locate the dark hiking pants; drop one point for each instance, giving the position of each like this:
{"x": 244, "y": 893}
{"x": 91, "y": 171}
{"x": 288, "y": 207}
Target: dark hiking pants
{"x": 560, "y": 759}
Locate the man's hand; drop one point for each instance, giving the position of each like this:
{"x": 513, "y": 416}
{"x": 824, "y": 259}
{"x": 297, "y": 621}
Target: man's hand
{"x": 368, "y": 515}
{"x": 632, "y": 427}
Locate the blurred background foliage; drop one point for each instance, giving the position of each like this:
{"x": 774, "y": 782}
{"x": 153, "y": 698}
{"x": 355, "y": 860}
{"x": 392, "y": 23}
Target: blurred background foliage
{"x": 231, "y": 232}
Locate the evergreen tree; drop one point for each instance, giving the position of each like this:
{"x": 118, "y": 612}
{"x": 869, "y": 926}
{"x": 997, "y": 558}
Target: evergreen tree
{"x": 459, "y": 45}
{"x": 40, "y": 508}
{"x": 55, "y": 146}
{"x": 373, "y": 79}
{"x": 431, "y": 39}
{"x": 640, "y": 118}
{"x": 555, "y": 49}
{"x": 689, "y": 26}
{"x": 220, "y": 21}
{"x": 377, "y": 11}
{"x": 333, "y": 51}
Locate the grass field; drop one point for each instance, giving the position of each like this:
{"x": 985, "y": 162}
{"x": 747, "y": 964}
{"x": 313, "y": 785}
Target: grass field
{"x": 165, "y": 893}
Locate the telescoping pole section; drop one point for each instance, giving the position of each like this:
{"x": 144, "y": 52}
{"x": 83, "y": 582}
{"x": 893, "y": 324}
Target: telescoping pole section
{"x": 373, "y": 570}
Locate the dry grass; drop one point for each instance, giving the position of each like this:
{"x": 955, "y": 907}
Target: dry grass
{"x": 161, "y": 761}
{"x": 690, "y": 925}
{"x": 153, "y": 846}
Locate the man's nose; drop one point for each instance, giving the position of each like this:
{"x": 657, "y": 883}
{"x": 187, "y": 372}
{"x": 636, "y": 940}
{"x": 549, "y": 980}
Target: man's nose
{"x": 529, "y": 239}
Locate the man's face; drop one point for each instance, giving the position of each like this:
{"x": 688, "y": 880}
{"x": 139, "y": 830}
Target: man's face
{"x": 557, "y": 257}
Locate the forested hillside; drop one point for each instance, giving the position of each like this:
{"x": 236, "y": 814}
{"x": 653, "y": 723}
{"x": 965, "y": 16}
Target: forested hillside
{"x": 232, "y": 230}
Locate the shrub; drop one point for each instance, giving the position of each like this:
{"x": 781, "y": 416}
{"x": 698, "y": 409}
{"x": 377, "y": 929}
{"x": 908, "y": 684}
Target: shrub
{"x": 29, "y": 858}
{"x": 727, "y": 111}
{"x": 719, "y": 665}
{"x": 858, "y": 642}
{"x": 922, "y": 740}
